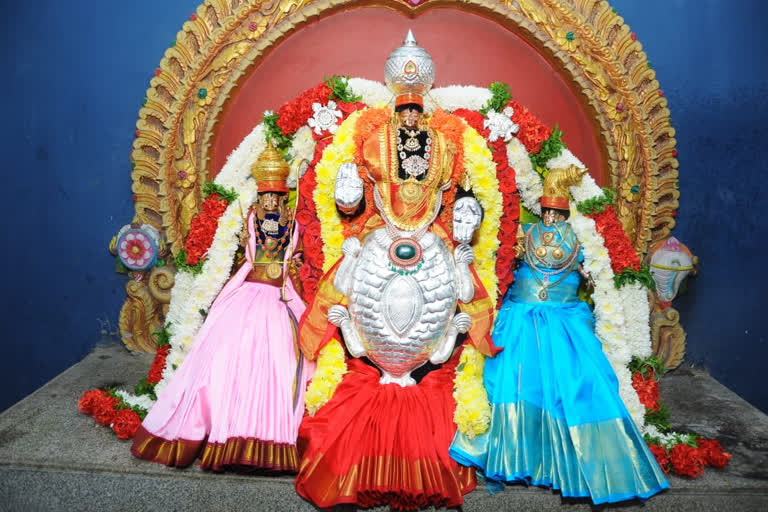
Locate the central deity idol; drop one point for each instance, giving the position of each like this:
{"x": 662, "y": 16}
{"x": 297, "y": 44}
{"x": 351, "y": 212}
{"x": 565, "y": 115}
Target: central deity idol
{"x": 402, "y": 281}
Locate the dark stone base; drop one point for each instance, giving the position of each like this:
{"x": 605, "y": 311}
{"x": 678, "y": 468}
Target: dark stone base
{"x": 54, "y": 458}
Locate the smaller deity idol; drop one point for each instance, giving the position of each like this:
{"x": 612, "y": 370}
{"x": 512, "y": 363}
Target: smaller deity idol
{"x": 238, "y": 397}
{"x": 556, "y": 416}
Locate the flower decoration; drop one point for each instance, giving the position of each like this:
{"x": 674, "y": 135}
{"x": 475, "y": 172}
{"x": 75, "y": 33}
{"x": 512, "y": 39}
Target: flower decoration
{"x": 647, "y": 388}
{"x": 500, "y": 125}
{"x": 686, "y": 460}
{"x": 186, "y": 176}
{"x": 713, "y": 452}
{"x": 325, "y": 117}
{"x": 137, "y": 249}
{"x": 621, "y": 307}
{"x": 473, "y": 411}
{"x": 126, "y": 423}
{"x": 331, "y": 367}
{"x": 630, "y": 189}
{"x": 533, "y": 132}
{"x": 566, "y": 38}
{"x": 203, "y": 228}
{"x": 661, "y": 455}
{"x": 615, "y": 109}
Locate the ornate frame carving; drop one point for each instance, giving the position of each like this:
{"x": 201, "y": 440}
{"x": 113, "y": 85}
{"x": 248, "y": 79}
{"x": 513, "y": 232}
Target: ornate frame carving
{"x": 585, "y": 39}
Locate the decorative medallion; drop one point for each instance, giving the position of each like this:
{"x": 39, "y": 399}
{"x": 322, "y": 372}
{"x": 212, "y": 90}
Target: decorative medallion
{"x": 409, "y": 192}
{"x": 325, "y": 118}
{"x": 405, "y": 252}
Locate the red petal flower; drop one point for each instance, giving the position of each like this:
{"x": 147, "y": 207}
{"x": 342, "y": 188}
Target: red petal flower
{"x": 712, "y": 452}
{"x": 104, "y": 411}
{"x": 88, "y": 401}
{"x": 125, "y": 424}
{"x": 661, "y": 455}
{"x": 686, "y": 460}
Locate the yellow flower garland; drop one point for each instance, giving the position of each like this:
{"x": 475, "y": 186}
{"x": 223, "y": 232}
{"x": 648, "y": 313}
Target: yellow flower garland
{"x": 479, "y": 165}
{"x": 331, "y": 367}
{"x": 473, "y": 412}
{"x": 341, "y": 150}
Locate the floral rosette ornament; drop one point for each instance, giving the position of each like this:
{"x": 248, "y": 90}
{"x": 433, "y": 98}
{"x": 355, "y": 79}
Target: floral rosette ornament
{"x": 136, "y": 247}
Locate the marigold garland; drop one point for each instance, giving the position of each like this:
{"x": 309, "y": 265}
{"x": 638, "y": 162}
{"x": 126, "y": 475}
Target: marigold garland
{"x": 481, "y": 169}
{"x": 330, "y": 369}
{"x": 341, "y": 150}
{"x": 473, "y": 411}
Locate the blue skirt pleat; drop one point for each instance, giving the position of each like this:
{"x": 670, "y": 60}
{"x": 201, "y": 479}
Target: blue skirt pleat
{"x": 557, "y": 418}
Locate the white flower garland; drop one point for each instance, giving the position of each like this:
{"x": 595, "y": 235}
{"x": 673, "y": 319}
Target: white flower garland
{"x": 302, "y": 153}
{"x": 528, "y": 181}
{"x": 621, "y": 315}
{"x": 455, "y": 97}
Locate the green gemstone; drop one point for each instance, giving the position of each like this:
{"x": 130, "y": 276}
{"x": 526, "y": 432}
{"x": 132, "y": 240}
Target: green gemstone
{"x": 635, "y": 189}
{"x": 405, "y": 251}
{"x": 570, "y": 36}
{"x": 202, "y": 93}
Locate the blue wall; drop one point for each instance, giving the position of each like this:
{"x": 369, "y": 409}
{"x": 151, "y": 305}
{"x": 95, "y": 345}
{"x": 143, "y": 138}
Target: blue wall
{"x": 76, "y": 74}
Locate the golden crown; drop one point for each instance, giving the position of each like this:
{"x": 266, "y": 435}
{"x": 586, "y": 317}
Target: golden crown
{"x": 557, "y": 186}
{"x": 271, "y": 170}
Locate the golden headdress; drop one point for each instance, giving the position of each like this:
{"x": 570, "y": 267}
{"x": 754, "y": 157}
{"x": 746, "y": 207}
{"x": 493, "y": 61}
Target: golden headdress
{"x": 557, "y": 186}
{"x": 271, "y": 170}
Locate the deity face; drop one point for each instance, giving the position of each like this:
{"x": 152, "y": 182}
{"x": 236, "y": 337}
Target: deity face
{"x": 270, "y": 201}
{"x": 410, "y": 117}
{"x": 550, "y": 216}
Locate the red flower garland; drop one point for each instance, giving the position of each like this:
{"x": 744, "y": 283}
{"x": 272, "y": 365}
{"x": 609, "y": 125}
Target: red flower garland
{"x": 712, "y": 452}
{"x": 686, "y": 460}
{"x": 203, "y": 228}
{"x": 294, "y": 114}
{"x": 104, "y": 410}
{"x": 647, "y": 390}
{"x": 158, "y": 364}
{"x": 661, "y": 456}
{"x": 125, "y": 424}
{"x": 505, "y": 256}
{"x": 87, "y": 403}
{"x": 617, "y": 242}
{"x": 532, "y": 132}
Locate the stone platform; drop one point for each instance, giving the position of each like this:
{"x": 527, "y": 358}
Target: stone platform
{"x": 54, "y": 458}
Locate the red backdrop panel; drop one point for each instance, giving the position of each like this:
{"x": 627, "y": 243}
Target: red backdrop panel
{"x": 468, "y": 49}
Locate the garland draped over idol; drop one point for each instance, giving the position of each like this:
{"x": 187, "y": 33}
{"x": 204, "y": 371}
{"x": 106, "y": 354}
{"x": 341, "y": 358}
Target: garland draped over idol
{"x": 504, "y": 149}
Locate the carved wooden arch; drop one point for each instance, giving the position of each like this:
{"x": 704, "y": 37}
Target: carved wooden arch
{"x": 587, "y": 39}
